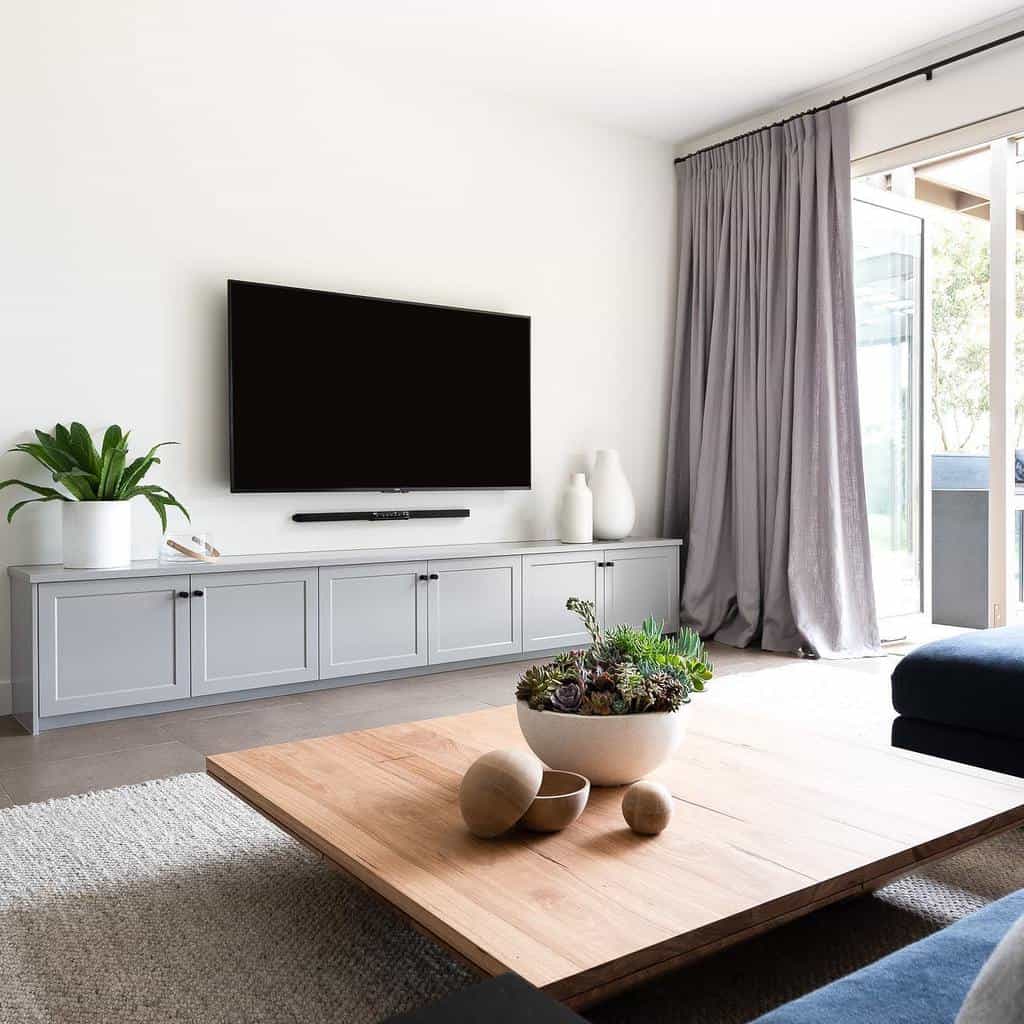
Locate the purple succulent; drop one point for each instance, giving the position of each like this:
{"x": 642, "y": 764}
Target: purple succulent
{"x": 567, "y": 697}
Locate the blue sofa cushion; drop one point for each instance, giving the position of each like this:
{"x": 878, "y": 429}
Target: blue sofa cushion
{"x": 968, "y": 746}
{"x": 973, "y": 681}
{"x": 924, "y": 983}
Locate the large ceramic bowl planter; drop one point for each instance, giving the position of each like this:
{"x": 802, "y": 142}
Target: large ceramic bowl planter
{"x": 97, "y": 534}
{"x": 610, "y": 750}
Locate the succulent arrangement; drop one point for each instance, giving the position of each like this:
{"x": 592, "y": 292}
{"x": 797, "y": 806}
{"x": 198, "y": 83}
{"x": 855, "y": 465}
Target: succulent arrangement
{"x": 91, "y": 474}
{"x": 624, "y": 671}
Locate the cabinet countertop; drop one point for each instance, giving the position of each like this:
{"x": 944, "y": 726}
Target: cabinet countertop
{"x": 307, "y": 559}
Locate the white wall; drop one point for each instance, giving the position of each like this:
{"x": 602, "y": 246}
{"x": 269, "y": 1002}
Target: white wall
{"x": 149, "y": 156}
{"x": 979, "y": 87}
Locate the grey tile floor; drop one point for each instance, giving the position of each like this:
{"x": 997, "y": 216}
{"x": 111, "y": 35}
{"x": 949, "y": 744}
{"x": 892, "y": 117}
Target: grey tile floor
{"x": 87, "y": 757}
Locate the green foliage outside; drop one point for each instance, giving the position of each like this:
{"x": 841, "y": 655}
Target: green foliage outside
{"x": 960, "y": 336}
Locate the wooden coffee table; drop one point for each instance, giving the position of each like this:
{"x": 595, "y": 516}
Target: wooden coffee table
{"x": 770, "y": 823}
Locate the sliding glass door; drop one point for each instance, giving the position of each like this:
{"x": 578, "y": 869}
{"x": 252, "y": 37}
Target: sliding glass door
{"x": 888, "y": 255}
{"x": 939, "y": 274}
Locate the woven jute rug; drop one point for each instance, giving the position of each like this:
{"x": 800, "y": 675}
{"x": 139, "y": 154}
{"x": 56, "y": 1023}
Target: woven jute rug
{"x": 173, "y": 901}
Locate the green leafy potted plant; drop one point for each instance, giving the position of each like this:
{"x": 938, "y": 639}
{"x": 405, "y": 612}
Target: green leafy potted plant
{"x": 611, "y": 712}
{"x": 98, "y": 486}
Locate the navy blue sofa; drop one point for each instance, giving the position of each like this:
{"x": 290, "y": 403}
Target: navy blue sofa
{"x": 962, "y": 698}
{"x": 924, "y": 983}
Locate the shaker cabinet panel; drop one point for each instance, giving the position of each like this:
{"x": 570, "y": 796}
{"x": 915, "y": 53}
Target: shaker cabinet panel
{"x": 253, "y": 629}
{"x": 548, "y": 582}
{"x": 475, "y": 608}
{"x": 112, "y": 643}
{"x": 373, "y": 618}
{"x": 642, "y": 582}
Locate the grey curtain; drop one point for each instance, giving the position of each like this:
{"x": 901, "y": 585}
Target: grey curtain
{"x": 765, "y": 478}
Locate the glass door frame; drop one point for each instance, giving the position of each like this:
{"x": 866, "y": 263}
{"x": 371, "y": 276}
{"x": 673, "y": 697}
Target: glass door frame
{"x": 920, "y": 421}
{"x": 1002, "y": 381}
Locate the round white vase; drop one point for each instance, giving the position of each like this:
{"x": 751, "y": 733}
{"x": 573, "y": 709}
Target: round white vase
{"x": 614, "y": 508}
{"x": 609, "y": 750}
{"x": 576, "y": 513}
{"x": 97, "y": 534}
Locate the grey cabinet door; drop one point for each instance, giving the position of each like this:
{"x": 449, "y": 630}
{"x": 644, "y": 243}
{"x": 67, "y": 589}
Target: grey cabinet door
{"x": 475, "y": 608}
{"x": 112, "y": 643}
{"x": 253, "y": 629}
{"x": 548, "y": 582}
{"x": 373, "y": 618}
{"x": 640, "y": 582}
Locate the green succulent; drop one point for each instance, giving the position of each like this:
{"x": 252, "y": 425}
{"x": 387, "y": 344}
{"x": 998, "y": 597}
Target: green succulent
{"x": 624, "y": 671}
{"x": 535, "y": 686}
{"x": 597, "y": 703}
{"x": 587, "y": 611}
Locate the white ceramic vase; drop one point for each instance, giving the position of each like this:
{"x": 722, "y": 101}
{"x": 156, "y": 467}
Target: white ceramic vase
{"x": 576, "y": 513}
{"x": 614, "y": 508}
{"x": 610, "y": 750}
{"x": 97, "y": 534}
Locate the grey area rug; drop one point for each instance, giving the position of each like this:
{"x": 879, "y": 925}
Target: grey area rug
{"x": 173, "y": 901}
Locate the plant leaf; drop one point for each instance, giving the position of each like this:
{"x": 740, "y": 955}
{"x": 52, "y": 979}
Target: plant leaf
{"x": 135, "y": 471}
{"x": 139, "y": 467}
{"x": 164, "y": 495}
{"x": 47, "y": 492}
{"x": 112, "y": 439}
{"x": 85, "y": 451}
{"x": 56, "y": 451}
{"x": 80, "y": 484}
{"x": 47, "y": 457}
{"x": 158, "y": 504}
{"x": 110, "y": 472}
{"x": 31, "y": 501}
{"x": 63, "y": 438}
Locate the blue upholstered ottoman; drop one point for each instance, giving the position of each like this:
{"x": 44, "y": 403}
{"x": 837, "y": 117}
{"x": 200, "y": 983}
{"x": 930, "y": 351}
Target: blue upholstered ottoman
{"x": 924, "y": 983}
{"x": 963, "y": 699}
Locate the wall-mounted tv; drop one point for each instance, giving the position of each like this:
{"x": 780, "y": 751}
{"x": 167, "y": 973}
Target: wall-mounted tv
{"x": 334, "y": 392}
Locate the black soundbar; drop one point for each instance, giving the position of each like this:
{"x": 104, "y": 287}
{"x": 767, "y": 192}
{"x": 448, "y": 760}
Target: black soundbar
{"x": 381, "y": 516}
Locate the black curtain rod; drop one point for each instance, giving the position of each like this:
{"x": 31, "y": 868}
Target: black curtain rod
{"x": 927, "y": 71}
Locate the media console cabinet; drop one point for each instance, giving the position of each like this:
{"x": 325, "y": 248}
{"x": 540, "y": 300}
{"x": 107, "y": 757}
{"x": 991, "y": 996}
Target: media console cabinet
{"x": 91, "y": 644}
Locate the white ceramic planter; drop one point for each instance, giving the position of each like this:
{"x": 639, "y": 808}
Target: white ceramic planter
{"x": 576, "y": 515}
{"x": 97, "y": 534}
{"x": 610, "y": 750}
{"x": 614, "y": 507}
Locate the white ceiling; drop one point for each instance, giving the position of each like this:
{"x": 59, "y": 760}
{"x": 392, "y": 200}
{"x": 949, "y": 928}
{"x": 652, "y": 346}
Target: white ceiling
{"x": 668, "y": 70}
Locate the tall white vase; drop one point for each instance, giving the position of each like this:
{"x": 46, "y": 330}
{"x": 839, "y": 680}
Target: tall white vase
{"x": 576, "y": 513}
{"x": 97, "y": 534}
{"x": 614, "y": 508}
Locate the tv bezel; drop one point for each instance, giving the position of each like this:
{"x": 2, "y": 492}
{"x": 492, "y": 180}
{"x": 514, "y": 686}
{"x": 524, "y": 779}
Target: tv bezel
{"x": 397, "y": 488}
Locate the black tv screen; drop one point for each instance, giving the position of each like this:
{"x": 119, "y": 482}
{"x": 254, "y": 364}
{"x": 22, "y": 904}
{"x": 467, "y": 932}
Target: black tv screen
{"x": 333, "y": 392}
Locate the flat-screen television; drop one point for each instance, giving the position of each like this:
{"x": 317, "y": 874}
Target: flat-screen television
{"x": 334, "y": 392}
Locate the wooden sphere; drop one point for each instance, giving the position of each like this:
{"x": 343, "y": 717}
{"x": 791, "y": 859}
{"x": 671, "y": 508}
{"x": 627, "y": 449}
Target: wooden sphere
{"x": 497, "y": 790}
{"x": 647, "y": 807}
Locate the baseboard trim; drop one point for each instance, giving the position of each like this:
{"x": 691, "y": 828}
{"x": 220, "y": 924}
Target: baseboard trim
{"x": 5, "y": 698}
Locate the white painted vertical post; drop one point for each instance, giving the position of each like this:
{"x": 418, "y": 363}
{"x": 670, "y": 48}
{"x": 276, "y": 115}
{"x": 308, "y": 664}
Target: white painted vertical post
{"x": 1002, "y": 384}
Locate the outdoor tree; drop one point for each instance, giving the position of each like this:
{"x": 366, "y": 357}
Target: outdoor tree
{"x": 960, "y": 335}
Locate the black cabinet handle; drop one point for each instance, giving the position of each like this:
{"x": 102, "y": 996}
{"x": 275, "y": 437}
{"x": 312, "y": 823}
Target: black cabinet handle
{"x": 424, "y": 577}
{"x": 434, "y": 576}
{"x": 197, "y": 593}
{"x": 609, "y": 564}
{"x": 182, "y": 593}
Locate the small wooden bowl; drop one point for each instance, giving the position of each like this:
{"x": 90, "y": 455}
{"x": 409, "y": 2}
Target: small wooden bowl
{"x": 558, "y": 803}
